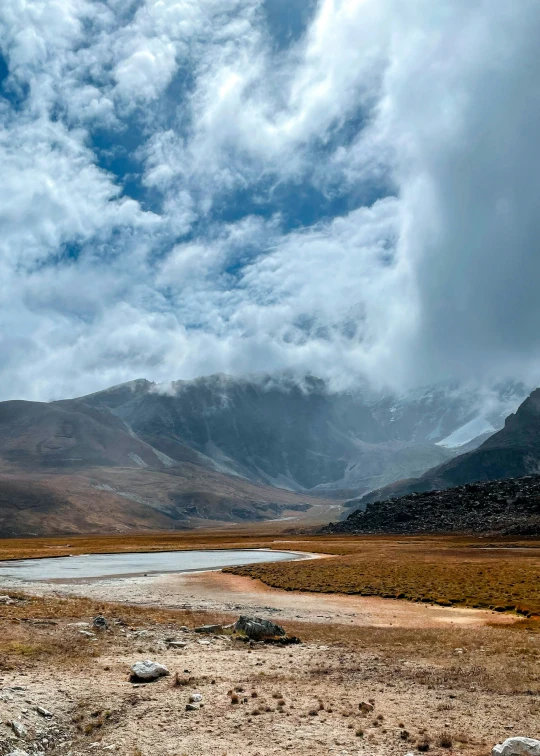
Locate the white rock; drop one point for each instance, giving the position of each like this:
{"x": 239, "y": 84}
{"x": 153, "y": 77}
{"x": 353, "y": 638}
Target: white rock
{"x": 149, "y": 670}
{"x": 18, "y": 752}
{"x": 19, "y": 729}
{"x": 43, "y": 712}
{"x": 195, "y": 698}
{"x": 86, "y": 633}
{"x": 517, "y": 746}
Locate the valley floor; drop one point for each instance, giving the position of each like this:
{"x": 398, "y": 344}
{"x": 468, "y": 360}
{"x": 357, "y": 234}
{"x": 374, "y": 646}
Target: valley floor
{"x": 439, "y": 678}
{"x": 461, "y": 685}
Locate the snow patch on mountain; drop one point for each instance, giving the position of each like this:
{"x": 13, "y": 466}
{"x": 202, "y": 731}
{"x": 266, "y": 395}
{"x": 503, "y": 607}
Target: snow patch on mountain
{"x": 478, "y": 426}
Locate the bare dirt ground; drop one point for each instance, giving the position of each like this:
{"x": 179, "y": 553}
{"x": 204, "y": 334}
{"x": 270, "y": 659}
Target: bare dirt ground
{"x": 439, "y": 679}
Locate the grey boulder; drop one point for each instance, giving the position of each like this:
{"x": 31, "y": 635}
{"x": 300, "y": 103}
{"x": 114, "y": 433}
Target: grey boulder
{"x": 148, "y": 670}
{"x": 256, "y": 628}
{"x": 517, "y": 746}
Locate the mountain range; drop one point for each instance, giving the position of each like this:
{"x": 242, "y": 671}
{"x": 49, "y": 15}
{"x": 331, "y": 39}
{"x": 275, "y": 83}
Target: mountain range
{"x": 512, "y": 452}
{"x": 222, "y": 449}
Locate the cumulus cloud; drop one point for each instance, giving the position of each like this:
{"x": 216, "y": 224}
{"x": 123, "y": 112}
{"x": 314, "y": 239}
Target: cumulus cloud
{"x": 189, "y": 187}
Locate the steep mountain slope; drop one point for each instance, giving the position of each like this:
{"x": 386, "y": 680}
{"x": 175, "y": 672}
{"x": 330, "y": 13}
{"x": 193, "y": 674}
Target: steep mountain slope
{"x": 299, "y": 436}
{"x": 512, "y": 452}
{"x": 34, "y": 434}
{"x": 142, "y": 455}
{"x": 267, "y": 431}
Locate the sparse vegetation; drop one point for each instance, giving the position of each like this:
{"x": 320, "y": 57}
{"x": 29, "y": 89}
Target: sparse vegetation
{"x": 424, "y": 687}
{"x": 448, "y": 571}
{"x": 444, "y": 740}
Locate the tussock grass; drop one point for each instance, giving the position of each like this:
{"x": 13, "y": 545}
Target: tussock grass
{"x": 502, "y": 574}
{"x": 445, "y": 571}
{"x": 24, "y": 641}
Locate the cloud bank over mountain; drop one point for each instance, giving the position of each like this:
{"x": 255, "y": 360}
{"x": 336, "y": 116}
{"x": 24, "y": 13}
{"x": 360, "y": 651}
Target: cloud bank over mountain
{"x": 346, "y": 187}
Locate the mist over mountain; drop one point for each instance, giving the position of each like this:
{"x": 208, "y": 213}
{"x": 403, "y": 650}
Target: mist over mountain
{"x": 512, "y": 452}
{"x": 300, "y": 435}
{"x": 221, "y": 448}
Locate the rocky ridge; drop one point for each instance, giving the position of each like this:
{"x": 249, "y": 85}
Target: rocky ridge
{"x": 502, "y": 507}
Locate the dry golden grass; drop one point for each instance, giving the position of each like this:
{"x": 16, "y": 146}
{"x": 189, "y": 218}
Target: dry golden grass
{"x": 494, "y": 659}
{"x": 443, "y": 570}
{"x": 446, "y": 571}
{"x": 29, "y": 608}
{"x": 502, "y": 659}
{"x": 28, "y": 628}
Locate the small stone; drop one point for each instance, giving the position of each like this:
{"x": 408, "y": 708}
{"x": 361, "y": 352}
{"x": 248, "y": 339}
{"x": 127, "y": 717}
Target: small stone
{"x": 43, "y": 712}
{"x": 18, "y": 752}
{"x": 192, "y": 706}
{"x": 177, "y": 644}
{"x": 100, "y": 623}
{"x": 204, "y": 643}
{"x": 86, "y": 633}
{"x": 209, "y": 629}
{"x": 365, "y": 708}
{"x": 19, "y": 729}
{"x": 148, "y": 670}
{"x": 195, "y": 698}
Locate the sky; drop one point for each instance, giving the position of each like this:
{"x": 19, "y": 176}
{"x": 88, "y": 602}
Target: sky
{"x": 348, "y": 188}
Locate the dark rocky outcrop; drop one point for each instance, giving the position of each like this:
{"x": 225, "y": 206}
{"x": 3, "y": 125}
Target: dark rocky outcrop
{"x": 503, "y": 507}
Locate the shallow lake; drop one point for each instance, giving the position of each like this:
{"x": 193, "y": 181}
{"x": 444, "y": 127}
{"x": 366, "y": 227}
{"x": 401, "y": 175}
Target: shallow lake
{"x": 95, "y": 566}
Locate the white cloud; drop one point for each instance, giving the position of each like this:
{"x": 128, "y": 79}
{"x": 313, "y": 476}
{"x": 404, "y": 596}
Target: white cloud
{"x": 148, "y": 69}
{"x": 228, "y": 137}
